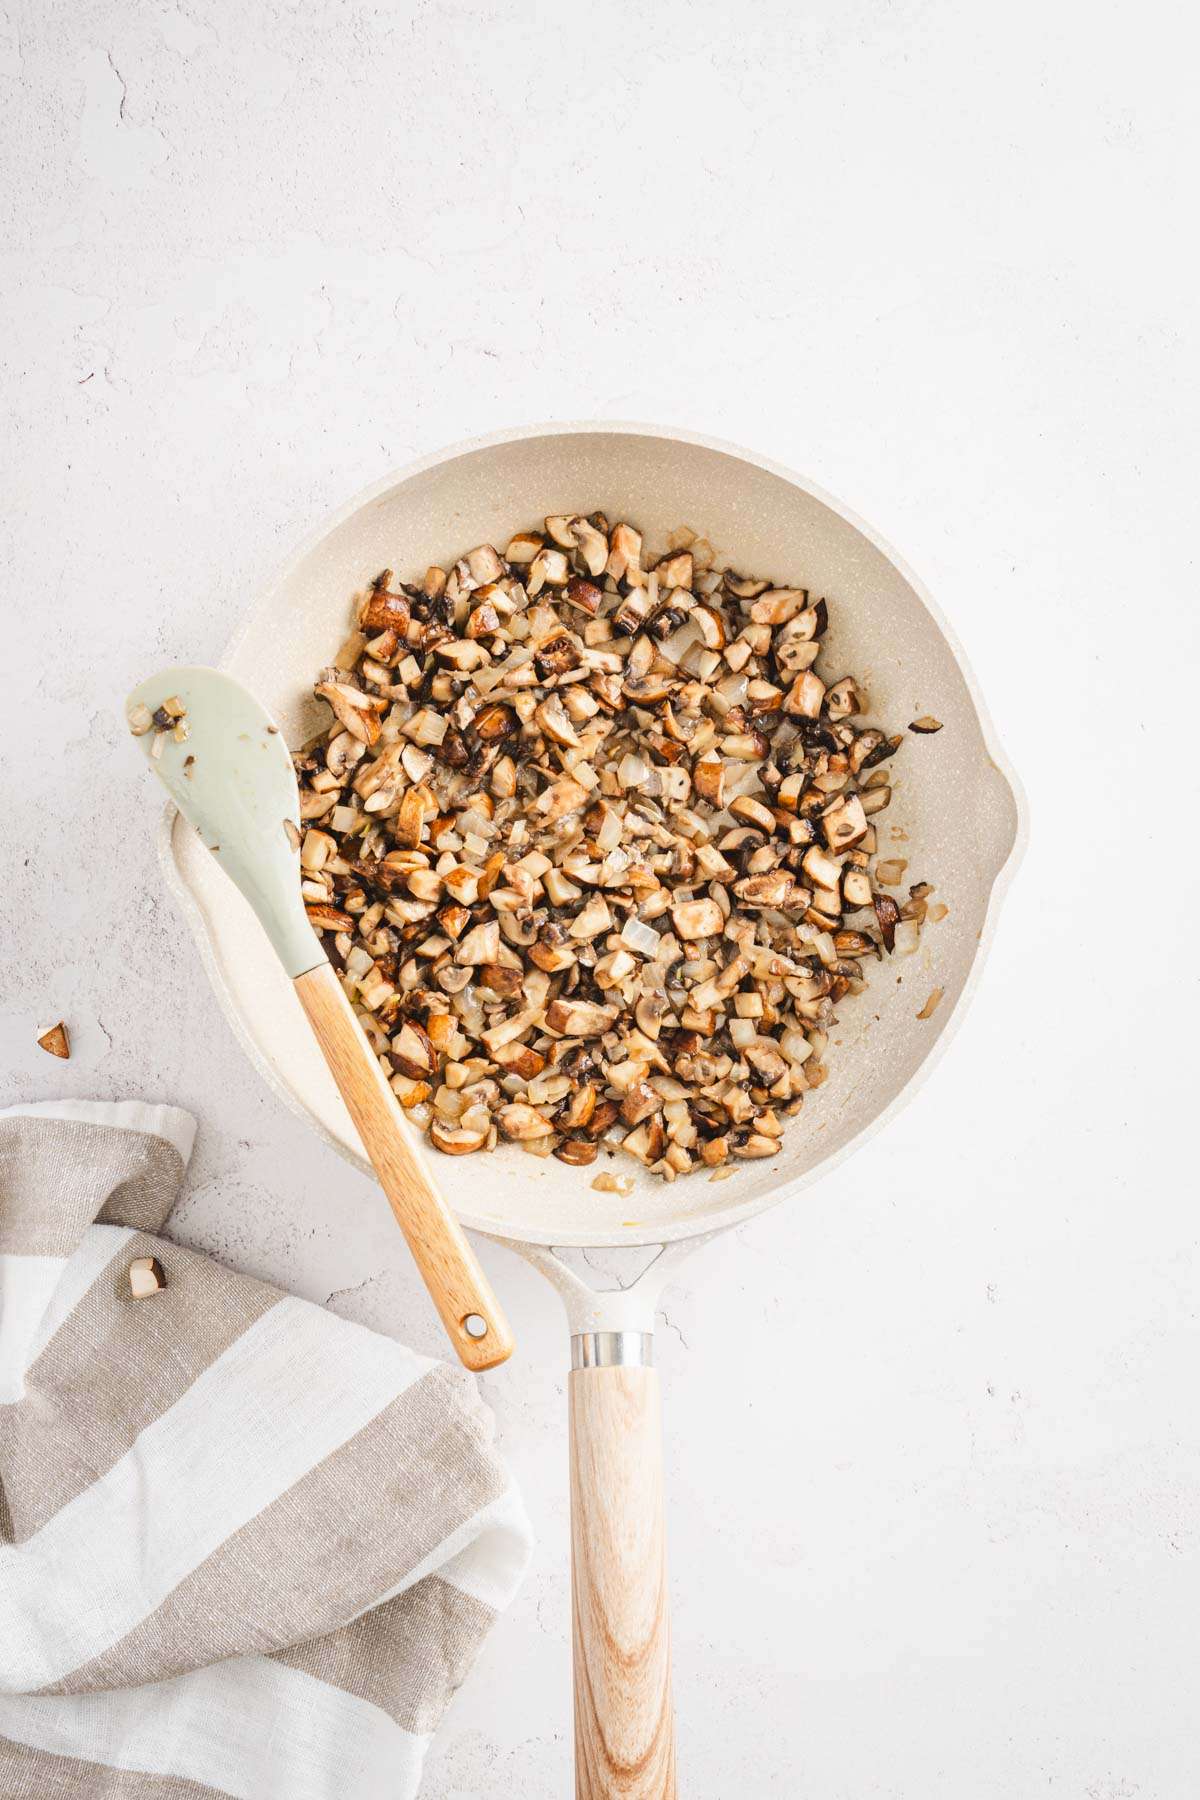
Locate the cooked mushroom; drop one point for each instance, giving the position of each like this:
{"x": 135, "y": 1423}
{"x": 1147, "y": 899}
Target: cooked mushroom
{"x": 888, "y": 915}
{"x": 146, "y": 1277}
{"x": 805, "y": 695}
{"x": 697, "y": 918}
{"x": 352, "y": 709}
{"x": 579, "y": 1018}
{"x": 521, "y": 1122}
{"x": 55, "y": 1041}
{"x": 587, "y": 831}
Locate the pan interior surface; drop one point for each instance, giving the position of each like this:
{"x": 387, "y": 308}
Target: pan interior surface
{"x": 953, "y": 816}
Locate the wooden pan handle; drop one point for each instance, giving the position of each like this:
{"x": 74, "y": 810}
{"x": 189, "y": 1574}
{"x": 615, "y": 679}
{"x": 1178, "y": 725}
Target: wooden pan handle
{"x": 624, "y": 1725}
{"x": 458, "y": 1286}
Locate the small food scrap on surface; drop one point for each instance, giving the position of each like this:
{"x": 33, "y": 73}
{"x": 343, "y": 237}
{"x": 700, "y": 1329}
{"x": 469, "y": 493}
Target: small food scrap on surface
{"x": 925, "y": 725}
{"x": 608, "y": 1183}
{"x": 55, "y": 1041}
{"x": 170, "y": 716}
{"x": 931, "y": 1005}
{"x": 292, "y": 834}
{"x": 593, "y": 836}
{"x": 146, "y": 1276}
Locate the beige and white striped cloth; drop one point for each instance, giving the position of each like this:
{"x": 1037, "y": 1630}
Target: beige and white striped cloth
{"x": 246, "y": 1547}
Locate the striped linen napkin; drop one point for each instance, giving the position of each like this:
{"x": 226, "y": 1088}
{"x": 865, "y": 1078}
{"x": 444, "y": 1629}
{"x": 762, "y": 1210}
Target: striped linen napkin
{"x": 246, "y": 1547}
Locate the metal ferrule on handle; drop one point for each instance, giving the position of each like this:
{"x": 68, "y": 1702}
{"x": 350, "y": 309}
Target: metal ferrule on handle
{"x": 612, "y": 1349}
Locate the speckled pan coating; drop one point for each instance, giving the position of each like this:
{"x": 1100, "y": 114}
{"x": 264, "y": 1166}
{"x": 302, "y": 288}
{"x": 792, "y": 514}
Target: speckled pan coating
{"x": 955, "y": 801}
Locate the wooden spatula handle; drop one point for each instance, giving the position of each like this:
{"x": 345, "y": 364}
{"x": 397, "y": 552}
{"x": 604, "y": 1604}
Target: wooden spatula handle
{"x": 624, "y": 1726}
{"x": 458, "y": 1286}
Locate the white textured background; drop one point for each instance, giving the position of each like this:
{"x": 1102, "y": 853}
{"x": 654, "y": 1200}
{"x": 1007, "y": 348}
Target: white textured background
{"x": 933, "y": 1439}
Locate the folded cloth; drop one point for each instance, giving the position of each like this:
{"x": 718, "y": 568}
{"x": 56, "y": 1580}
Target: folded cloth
{"x": 246, "y": 1547}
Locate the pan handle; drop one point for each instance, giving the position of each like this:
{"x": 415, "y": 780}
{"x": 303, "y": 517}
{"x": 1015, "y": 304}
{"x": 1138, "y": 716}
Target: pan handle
{"x": 621, "y": 1628}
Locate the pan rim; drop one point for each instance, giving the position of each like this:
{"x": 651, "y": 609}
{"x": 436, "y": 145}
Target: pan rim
{"x": 686, "y": 1226}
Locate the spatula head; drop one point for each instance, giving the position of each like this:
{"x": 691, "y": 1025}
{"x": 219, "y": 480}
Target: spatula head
{"x": 224, "y": 762}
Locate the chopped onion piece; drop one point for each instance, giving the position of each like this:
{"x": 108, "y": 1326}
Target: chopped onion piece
{"x": 639, "y": 936}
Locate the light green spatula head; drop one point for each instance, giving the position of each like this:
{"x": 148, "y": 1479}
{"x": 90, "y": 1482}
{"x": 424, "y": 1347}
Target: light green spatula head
{"x": 224, "y": 762}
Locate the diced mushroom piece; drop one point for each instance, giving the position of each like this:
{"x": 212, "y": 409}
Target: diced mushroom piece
{"x": 484, "y": 565}
{"x": 711, "y": 627}
{"x": 459, "y": 1139}
{"x": 146, "y": 1277}
{"x": 821, "y": 869}
{"x": 481, "y": 945}
{"x": 417, "y": 806}
{"x": 519, "y": 1059}
{"x": 557, "y": 655}
{"x": 523, "y": 548}
{"x": 766, "y": 1061}
{"x": 647, "y": 1141}
{"x": 384, "y": 611}
{"x": 778, "y": 605}
{"x": 483, "y": 621}
{"x": 55, "y": 1041}
{"x": 773, "y": 888}
{"x": 708, "y": 778}
{"x": 805, "y": 696}
{"x": 352, "y": 709}
{"x": 521, "y": 1122}
{"x": 925, "y": 725}
{"x": 845, "y": 824}
{"x": 577, "y": 1151}
{"x": 625, "y": 551}
{"x": 579, "y": 1018}
{"x": 328, "y": 918}
{"x": 494, "y": 723}
{"x": 743, "y": 587}
{"x": 585, "y": 595}
{"x": 697, "y": 918}
{"x": 753, "y": 812}
{"x": 888, "y": 915}
{"x": 756, "y": 1144}
{"x": 843, "y": 699}
{"x": 591, "y": 544}
{"x": 412, "y": 1050}
{"x": 746, "y": 746}
{"x": 856, "y": 888}
{"x": 853, "y": 943}
{"x": 640, "y": 1102}
{"x": 632, "y": 613}
{"x": 593, "y": 919}
{"x": 561, "y": 799}
{"x": 553, "y": 720}
{"x": 549, "y": 568}
{"x": 676, "y": 571}
{"x": 558, "y": 529}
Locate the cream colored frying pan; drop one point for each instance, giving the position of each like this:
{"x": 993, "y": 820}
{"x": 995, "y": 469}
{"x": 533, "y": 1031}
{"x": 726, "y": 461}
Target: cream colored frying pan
{"x": 956, "y": 802}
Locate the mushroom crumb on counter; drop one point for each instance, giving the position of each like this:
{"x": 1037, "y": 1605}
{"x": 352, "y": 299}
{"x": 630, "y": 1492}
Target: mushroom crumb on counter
{"x": 55, "y": 1041}
{"x": 592, "y": 842}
